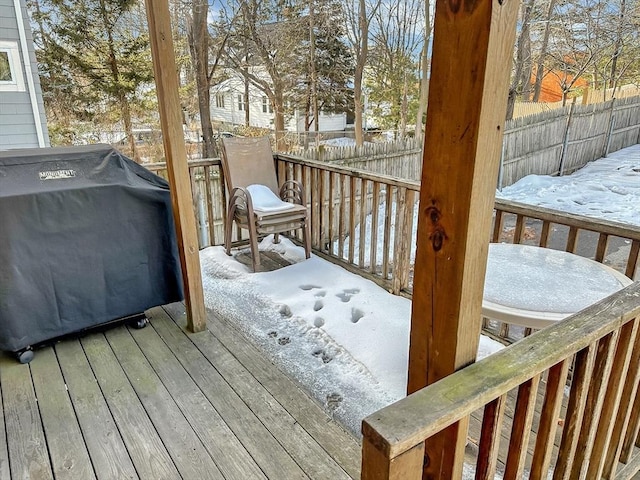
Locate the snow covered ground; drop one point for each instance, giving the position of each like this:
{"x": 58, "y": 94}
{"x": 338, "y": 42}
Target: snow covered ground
{"x": 343, "y": 337}
{"x": 607, "y": 188}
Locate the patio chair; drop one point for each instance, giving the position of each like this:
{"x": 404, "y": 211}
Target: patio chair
{"x": 256, "y": 203}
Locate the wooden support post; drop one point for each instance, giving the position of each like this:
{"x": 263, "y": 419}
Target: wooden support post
{"x": 472, "y": 54}
{"x": 166, "y": 76}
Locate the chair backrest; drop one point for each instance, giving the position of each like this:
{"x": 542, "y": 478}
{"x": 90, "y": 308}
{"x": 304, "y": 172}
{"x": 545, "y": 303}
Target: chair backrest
{"x": 247, "y": 161}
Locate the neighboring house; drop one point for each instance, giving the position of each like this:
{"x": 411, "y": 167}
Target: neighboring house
{"x": 228, "y": 106}
{"x": 22, "y": 116}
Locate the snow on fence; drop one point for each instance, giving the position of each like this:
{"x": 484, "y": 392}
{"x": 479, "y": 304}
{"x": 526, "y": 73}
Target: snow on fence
{"x": 551, "y": 142}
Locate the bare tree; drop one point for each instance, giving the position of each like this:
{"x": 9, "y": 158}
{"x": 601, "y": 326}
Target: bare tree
{"x": 424, "y": 70}
{"x": 523, "y": 49}
{"x": 358, "y": 15}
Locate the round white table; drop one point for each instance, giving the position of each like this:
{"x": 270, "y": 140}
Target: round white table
{"x": 536, "y": 287}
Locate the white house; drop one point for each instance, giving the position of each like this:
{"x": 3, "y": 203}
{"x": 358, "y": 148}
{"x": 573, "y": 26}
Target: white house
{"x": 228, "y": 106}
{"x": 22, "y": 119}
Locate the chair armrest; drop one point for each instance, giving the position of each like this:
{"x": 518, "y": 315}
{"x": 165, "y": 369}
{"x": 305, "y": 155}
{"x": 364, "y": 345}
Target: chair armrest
{"x": 292, "y": 191}
{"x": 240, "y": 199}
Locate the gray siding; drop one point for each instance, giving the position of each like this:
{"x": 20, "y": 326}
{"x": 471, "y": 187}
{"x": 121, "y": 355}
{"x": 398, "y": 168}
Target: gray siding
{"x": 17, "y": 124}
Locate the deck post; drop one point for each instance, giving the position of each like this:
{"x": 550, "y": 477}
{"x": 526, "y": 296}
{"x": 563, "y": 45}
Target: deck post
{"x": 166, "y": 77}
{"x": 472, "y": 55}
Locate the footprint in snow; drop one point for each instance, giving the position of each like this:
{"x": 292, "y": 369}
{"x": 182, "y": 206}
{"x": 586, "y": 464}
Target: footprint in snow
{"x": 272, "y": 334}
{"x": 318, "y": 306}
{"x": 318, "y": 322}
{"x": 321, "y": 293}
{"x": 333, "y": 400}
{"x": 347, "y": 293}
{"x": 308, "y": 287}
{"x": 285, "y": 311}
{"x": 322, "y": 355}
{"x": 284, "y": 340}
{"x": 356, "y": 315}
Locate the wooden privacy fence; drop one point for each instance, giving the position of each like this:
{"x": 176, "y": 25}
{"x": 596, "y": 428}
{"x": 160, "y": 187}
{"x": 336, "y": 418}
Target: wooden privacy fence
{"x": 552, "y": 142}
{"x": 535, "y": 418}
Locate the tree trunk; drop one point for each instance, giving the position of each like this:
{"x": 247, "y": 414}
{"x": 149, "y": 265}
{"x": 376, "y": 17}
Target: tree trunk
{"x": 424, "y": 67}
{"x": 517, "y": 80}
{"x": 543, "y": 52}
{"x": 618, "y": 47}
{"x": 199, "y": 43}
{"x": 121, "y": 98}
{"x": 361, "y": 60}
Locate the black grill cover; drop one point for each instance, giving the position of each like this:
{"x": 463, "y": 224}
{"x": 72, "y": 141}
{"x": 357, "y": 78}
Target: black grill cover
{"x": 86, "y": 237}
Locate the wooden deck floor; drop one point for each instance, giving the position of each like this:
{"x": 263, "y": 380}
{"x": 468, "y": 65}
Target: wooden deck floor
{"x": 158, "y": 403}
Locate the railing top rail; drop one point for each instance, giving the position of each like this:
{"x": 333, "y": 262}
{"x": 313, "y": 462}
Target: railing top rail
{"x": 404, "y": 424}
{"x": 573, "y": 220}
{"x": 203, "y": 162}
{"x": 355, "y": 172}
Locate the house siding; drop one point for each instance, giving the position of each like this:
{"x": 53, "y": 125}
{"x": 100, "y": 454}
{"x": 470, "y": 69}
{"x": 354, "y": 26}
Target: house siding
{"x": 17, "y": 123}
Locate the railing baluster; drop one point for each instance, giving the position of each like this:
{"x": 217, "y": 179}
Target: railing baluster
{"x": 352, "y": 217}
{"x": 322, "y": 216}
{"x": 387, "y": 232}
{"x": 603, "y": 239}
{"x": 343, "y": 215}
{"x": 633, "y": 430}
{"x": 519, "y": 230}
{"x": 315, "y": 208}
{"x": 632, "y": 262}
{"x": 363, "y": 223}
{"x": 521, "y": 428}
{"x": 209, "y": 193}
{"x": 549, "y": 420}
{"x": 398, "y": 232}
{"x": 622, "y": 423}
{"x": 544, "y": 233}
{"x": 572, "y": 240}
{"x": 601, "y": 444}
{"x": 604, "y": 360}
{"x": 490, "y": 438}
{"x": 497, "y": 226}
{"x": 582, "y": 371}
{"x": 332, "y": 219}
{"x": 375, "y": 210}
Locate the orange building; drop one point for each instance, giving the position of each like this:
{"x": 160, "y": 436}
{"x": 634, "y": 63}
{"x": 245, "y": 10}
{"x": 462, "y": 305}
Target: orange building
{"x": 551, "y": 90}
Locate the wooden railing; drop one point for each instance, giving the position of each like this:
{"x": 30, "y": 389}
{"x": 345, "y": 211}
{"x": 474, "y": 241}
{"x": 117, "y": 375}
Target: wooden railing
{"x": 365, "y": 222}
{"x": 535, "y": 418}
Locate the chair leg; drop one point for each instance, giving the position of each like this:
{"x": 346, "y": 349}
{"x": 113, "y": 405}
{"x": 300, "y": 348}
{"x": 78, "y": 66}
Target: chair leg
{"x": 253, "y": 240}
{"x": 276, "y": 238}
{"x": 228, "y": 229}
{"x": 306, "y": 233}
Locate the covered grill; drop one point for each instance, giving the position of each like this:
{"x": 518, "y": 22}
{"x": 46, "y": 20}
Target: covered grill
{"x": 86, "y": 237}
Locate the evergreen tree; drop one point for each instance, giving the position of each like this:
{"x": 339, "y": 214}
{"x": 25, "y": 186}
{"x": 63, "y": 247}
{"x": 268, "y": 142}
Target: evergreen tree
{"x": 95, "y": 60}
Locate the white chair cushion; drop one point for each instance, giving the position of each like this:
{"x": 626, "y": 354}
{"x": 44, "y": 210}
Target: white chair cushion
{"x": 264, "y": 200}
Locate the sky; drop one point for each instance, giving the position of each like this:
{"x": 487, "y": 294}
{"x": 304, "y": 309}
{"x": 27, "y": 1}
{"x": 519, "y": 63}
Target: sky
{"x": 344, "y": 338}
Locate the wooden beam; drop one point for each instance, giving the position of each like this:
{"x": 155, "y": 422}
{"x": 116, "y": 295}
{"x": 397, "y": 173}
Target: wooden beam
{"x": 164, "y": 67}
{"x": 472, "y": 54}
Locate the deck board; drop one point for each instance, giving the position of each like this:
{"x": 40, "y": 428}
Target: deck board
{"x": 230, "y": 456}
{"x": 104, "y": 443}
{"x": 28, "y": 455}
{"x": 329, "y": 434}
{"x": 161, "y": 403}
{"x": 146, "y": 450}
{"x": 69, "y": 456}
{"x": 185, "y": 448}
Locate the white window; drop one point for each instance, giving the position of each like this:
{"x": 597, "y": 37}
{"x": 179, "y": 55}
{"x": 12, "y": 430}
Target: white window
{"x": 241, "y": 103}
{"x": 219, "y": 100}
{"x": 266, "y": 105}
{"x": 11, "y": 78}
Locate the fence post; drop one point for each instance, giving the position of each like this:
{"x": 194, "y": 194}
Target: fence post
{"x": 565, "y": 141}
{"x": 501, "y": 169}
{"x": 612, "y": 117}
